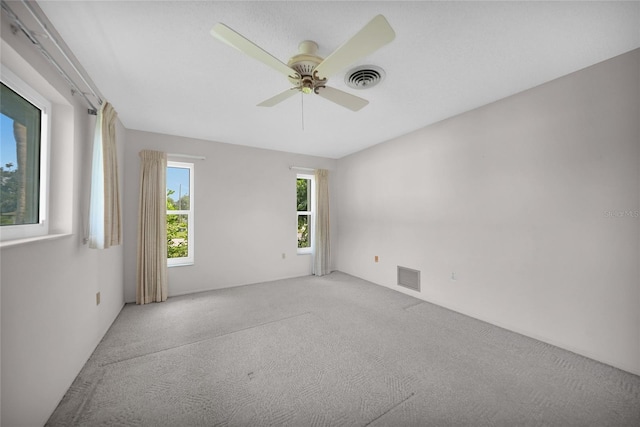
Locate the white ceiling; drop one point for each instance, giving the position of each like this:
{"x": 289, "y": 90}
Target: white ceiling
{"x": 161, "y": 69}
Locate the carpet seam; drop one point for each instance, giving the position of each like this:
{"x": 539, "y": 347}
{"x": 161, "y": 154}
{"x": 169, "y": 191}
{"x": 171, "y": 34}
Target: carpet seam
{"x": 87, "y": 398}
{"x": 206, "y": 339}
{"x": 412, "y": 305}
{"x": 390, "y": 409}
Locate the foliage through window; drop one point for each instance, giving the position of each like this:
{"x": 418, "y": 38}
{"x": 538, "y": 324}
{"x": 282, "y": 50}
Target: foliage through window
{"x": 179, "y": 213}
{"x": 23, "y": 159}
{"x": 304, "y": 202}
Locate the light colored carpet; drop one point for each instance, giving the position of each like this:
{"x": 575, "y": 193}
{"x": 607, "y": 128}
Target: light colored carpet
{"x": 333, "y": 351}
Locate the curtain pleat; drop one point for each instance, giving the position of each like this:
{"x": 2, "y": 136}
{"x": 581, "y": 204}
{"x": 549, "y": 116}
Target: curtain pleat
{"x": 104, "y": 211}
{"x": 152, "y": 285}
{"x": 322, "y": 244}
{"x": 112, "y": 225}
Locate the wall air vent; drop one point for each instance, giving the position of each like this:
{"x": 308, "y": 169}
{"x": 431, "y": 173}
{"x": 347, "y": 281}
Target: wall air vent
{"x": 409, "y": 278}
{"x": 364, "y": 77}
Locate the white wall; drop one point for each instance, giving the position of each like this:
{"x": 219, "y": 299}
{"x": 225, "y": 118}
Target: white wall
{"x": 245, "y": 216}
{"x": 50, "y": 321}
{"x": 513, "y": 198}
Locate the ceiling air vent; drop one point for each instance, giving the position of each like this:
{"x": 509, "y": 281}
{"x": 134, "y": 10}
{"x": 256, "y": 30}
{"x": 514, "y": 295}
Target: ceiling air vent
{"x": 364, "y": 77}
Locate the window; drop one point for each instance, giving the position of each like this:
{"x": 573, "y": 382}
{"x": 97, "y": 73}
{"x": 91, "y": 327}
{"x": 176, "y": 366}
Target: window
{"x": 24, "y": 139}
{"x": 179, "y": 213}
{"x": 306, "y": 208}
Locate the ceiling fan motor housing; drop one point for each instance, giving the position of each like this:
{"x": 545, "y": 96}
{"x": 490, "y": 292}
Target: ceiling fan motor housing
{"x": 304, "y": 63}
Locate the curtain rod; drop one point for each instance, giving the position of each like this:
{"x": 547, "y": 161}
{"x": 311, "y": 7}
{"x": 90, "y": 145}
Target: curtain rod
{"x": 57, "y": 44}
{"x": 300, "y": 168}
{"x": 31, "y": 36}
{"x": 186, "y": 156}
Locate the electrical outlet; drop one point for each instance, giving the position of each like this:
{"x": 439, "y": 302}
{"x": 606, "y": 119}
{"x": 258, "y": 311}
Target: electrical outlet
{"x": 375, "y": 258}
{"x": 453, "y": 276}
{"x": 284, "y": 255}
{"x": 97, "y": 298}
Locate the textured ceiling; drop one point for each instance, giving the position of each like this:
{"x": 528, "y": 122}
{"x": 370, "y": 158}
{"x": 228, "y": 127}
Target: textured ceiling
{"x": 161, "y": 69}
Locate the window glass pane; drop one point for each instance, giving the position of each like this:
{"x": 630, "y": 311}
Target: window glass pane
{"x": 19, "y": 159}
{"x": 177, "y": 236}
{"x": 304, "y": 203}
{"x": 303, "y": 231}
{"x": 178, "y": 188}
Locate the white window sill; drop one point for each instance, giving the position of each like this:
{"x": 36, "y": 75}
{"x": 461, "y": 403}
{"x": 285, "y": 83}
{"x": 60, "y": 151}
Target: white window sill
{"x": 24, "y": 241}
{"x": 182, "y": 264}
{"x": 305, "y": 251}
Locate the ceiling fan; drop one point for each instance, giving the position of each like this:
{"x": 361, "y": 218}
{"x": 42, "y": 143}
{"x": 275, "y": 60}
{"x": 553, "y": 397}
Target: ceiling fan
{"x": 306, "y": 70}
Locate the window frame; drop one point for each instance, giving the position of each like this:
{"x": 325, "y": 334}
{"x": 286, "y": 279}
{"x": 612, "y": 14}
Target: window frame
{"x": 311, "y": 213}
{"x": 190, "y": 259}
{"x": 41, "y": 228}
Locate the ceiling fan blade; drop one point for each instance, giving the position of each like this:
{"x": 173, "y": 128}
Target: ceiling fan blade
{"x": 279, "y": 98}
{"x": 238, "y": 41}
{"x": 345, "y": 99}
{"x": 370, "y": 38}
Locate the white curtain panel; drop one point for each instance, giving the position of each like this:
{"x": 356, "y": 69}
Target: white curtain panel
{"x": 322, "y": 244}
{"x": 152, "y": 285}
{"x": 104, "y": 209}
